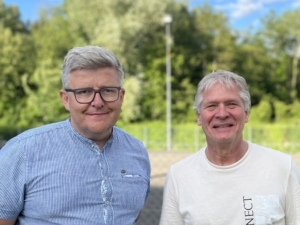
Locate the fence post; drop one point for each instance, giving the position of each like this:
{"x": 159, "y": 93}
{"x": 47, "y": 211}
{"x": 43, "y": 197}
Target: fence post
{"x": 145, "y": 136}
{"x": 249, "y": 134}
{"x": 196, "y": 139}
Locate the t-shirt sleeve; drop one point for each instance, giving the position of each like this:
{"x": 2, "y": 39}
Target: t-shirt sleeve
{"x": 170, "y": 214}
{"x": 293, "y": 196}
{"x": 12, "y": 180}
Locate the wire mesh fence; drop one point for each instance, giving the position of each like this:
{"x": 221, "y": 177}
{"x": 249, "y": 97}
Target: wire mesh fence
{"x": 191, "y": 138}
{"x": 160, "y": 163}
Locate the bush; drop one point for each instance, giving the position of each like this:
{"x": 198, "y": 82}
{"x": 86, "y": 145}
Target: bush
{"x": 262, "y": 112}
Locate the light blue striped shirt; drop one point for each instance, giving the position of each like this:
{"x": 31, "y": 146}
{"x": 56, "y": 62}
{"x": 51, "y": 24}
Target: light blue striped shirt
{"x": 53, "y": 175}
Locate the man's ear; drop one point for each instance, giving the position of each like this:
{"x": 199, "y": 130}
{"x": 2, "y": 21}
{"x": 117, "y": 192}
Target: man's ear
{"x": 199, "y": 122}
{"x": 64, "y": 98}
{"x": 122, "y": 93}
{"x": 247, "y": 117}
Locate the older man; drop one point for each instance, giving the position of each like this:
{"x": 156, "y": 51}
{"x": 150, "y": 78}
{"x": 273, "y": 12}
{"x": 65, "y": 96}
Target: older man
{"x": 230, "y": 181}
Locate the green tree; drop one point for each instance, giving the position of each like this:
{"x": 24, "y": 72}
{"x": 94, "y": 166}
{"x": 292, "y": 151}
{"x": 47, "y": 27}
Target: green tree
{"x": 10, "y": 18}
{"x": 214, "y": 39}
{"x": 251, "y": 62}
{"x": 117, "y": 25}
{"x": 282, "y": 37}
{"x": 195, "y": 50}
{"x": 16, "y": 65}
{"x": 52, "y": 39}
{"x": 153, "y": 55}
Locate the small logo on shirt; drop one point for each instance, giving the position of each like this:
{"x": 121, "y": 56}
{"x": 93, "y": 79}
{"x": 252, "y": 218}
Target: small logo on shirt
{"x": 123, "y": 172}
{"x": 262, "y": 209}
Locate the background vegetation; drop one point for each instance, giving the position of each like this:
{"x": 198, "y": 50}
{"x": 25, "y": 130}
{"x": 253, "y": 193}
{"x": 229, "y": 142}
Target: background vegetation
{"x": 31, "y": 55}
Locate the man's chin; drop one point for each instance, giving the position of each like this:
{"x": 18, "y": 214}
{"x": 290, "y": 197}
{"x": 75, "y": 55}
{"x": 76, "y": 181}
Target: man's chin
{"x": 224, "y": 140}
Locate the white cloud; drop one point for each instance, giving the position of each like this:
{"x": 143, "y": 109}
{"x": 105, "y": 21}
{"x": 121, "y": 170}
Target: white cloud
{"x": 296, "y": 3}
{"x": 243, "y": 8}
{"x": 240, "y": 8}
{"x": 273, "y": 1}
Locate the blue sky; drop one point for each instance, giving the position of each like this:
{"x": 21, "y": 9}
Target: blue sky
{"x": 242, "y": 14}
{"x": 30, "y": 8}
{"x": 245, "y": 14}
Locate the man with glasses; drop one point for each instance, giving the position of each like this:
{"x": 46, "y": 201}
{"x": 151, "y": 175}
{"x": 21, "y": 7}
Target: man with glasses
{"x": 83, "y": 170}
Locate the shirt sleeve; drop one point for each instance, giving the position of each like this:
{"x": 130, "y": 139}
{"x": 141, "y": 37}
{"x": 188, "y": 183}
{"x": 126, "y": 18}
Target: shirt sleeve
{"x": 12, "y": 177}
{"x": 170, "y": 209}
{"x": 293, "y": 196}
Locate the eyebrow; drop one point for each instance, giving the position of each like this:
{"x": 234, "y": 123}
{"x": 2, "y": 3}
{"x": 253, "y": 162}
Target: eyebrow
{"x": 226, "y": 101}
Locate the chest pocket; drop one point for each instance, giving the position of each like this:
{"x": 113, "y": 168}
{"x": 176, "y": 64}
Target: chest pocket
{"x": 133, "y": 192}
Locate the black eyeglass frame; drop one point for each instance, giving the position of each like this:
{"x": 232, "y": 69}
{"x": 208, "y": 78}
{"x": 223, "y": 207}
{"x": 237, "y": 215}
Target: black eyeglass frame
{"x": 95, "y": 92}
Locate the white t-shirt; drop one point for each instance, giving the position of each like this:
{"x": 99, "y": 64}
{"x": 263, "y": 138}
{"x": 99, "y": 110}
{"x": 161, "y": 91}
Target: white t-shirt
{"x": 260, "y": 189}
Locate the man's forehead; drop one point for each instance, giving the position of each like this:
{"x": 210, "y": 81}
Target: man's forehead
{"x": 218, "y": 86}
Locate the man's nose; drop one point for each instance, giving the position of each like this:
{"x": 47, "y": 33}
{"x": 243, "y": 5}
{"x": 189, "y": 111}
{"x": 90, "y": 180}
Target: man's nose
{"x": 222, "y": 111}
{"x": 97, "y": 100}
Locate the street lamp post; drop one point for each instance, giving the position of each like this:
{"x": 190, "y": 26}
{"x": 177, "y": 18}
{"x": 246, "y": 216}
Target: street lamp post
{"x": 167, "y": 20}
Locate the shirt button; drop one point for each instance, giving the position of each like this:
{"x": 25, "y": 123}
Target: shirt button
{"x": 107, "y": 202}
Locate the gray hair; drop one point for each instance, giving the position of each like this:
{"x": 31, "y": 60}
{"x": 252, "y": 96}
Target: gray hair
{"x": 89, "y": 57}
{"x": 226, "y": 79}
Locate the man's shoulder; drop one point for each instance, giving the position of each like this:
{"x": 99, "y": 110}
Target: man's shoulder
{"x": 39, "y": 131}
{"x": 36, "y": 138}
{"x": 269, "y": 156}
{"x": 188, "y": 161}
{"x": 119, "y": 132}
{"x": 269, "y": 152}
{"x": 43, "y": 129}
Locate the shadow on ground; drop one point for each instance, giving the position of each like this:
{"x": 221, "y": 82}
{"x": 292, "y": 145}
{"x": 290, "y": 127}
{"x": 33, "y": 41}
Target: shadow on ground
{"x": 150, "y": 215}
{"x": 160, "y": 164}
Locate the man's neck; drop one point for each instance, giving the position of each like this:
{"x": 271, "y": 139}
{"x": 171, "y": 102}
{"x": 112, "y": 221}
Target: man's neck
{"x": 226, "y": 153}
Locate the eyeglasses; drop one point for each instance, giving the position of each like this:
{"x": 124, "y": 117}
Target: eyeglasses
{"x": 87, "y": 95}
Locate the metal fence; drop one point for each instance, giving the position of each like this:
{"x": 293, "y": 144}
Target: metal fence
{"x": 160, "y": 163}
{"x": 282, "y": 138}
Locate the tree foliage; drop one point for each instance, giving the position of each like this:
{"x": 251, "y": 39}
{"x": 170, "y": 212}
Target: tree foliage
{"x": 10, "y": 18}
{"x": 17, "y": 61}
{"x": 52, "y": 39}
{"x": 282, "y": 37}
{"x": 202, "y": 41}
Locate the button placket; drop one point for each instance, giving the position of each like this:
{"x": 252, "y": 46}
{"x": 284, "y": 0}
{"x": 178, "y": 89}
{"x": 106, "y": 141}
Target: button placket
{"x": 106, "y": 189}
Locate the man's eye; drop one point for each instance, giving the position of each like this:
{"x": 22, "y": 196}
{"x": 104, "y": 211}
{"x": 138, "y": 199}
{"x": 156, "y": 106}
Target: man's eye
{"x": 108, "y": 90}
{"x": 211, "y": 106}
{"x": 232, "y": 104}
{"x": 83, "y": 92}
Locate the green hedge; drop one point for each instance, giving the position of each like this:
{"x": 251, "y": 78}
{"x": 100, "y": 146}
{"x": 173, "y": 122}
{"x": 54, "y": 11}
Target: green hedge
{"x": 283, "y": 137}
